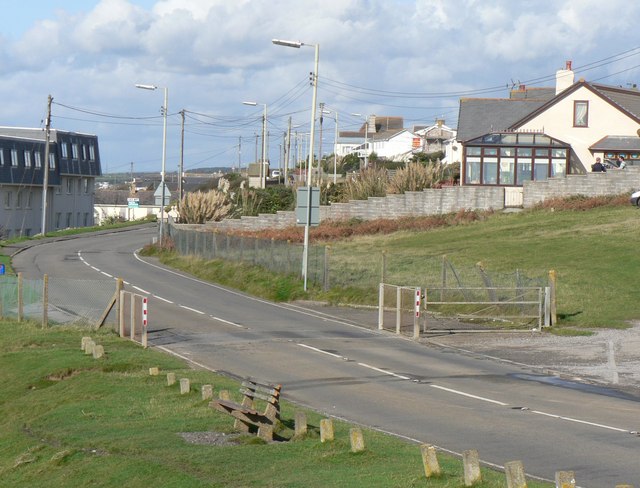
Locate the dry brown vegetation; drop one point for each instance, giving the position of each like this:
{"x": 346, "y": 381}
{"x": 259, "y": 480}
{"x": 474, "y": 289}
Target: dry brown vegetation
{"x": 582, "y": 202}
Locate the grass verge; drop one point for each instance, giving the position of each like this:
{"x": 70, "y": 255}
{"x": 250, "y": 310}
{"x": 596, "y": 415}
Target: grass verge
{"x": 70, "y": 420}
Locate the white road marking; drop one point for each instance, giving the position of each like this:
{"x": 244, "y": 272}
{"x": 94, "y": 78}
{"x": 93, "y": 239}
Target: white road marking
{"x": 569, "y": 419}
{"x": 240, "y": 326}
{"x": 96, "y": 269}
{"x": 141, "y": 290}
{"x": 191, "y": 309}
{"x": 106, "y": 274}
{"x": 162, "y": 299}
{"x": 383, "y": 371}
{"x": 321, "y": 351}
{"x": 462, "y": 393}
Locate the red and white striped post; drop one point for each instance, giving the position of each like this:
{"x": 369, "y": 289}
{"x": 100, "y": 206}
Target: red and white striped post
{"x": 416, "y": 315}
{"x": 145, "y": 317}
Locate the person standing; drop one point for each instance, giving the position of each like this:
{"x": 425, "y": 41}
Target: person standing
{"x": 597, "y": 167}
{"x": 621, "y": 162}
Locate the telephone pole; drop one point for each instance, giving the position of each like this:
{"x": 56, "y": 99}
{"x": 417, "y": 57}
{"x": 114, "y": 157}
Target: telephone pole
{"x": 181, "y": 167}
{"x": 45, "y": 179}
{"x": 240, "y": 154}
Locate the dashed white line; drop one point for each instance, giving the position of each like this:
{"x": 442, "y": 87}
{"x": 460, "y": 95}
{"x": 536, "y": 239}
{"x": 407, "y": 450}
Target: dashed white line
{"x": 162, "y": 299}
{"x": 191, "y": 309}
{"x": 462, "y": 393}
{"x": 321, "y": 351}
{"x": 569, "y": 419}
{"x": 141, "y": 290}
{"x": 106, "y": 274}
{"x": 383, "y": 371}
{"x": 240, "y": 326}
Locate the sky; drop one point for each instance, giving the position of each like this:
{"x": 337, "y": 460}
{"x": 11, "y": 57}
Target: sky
{"x": 409, "y": 58}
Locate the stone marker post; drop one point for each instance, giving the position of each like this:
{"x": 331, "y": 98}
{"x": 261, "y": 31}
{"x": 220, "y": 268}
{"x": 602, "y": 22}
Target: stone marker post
{"x": 515, "y": 474}
{"x": 357, "y": 440}
{"x": 565, "y": 479}
{"x": 326, "y": 430}
{"x": 171, "y": 379}
{"x": 300, "y": 424}
{"x": 155, "y": 371}
{"x": 471, "y": 463}
{"x": 185, "y": 386}
{"x": 207, "y": 392}
{"x": 98, "y": 352}
{"x": 430, "y": 460}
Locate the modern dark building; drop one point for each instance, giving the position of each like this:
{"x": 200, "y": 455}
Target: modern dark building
{"x": 74, "y": 163}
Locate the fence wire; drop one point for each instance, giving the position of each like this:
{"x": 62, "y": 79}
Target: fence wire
{"x": 352, "y": 265}
{"x": 69, "y": 301}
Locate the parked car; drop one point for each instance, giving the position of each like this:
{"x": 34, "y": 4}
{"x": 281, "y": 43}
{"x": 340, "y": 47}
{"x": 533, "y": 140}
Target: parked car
{"x": 635, "y": 198}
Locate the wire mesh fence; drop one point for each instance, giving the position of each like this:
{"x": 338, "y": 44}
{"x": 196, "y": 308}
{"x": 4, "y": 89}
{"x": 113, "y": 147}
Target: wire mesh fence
{"x": 67, "y": 301}
{"x": 358, "y": 265}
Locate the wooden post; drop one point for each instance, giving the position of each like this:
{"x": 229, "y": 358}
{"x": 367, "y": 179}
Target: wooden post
{"x": 118, "y": 294}
{"x": 121, "y": 313}
{"x": 20, "y": 297}
{"x": 384, "y": 267}
{"x": 45, "y": 301}
{"x": 132, "y": 317}
{"x": 398, "y": 309}
{"x": 553, "y": 282}
{"x": 430, "y": 460}
{"x": 327, "y": 250}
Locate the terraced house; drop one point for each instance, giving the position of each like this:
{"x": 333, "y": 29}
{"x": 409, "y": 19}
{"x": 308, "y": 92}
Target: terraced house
{"x": 74, "y": 162}
{"x": 541, "y": 133}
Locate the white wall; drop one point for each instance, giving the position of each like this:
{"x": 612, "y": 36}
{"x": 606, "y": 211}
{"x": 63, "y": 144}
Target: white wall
{"x": 604, "y": 119}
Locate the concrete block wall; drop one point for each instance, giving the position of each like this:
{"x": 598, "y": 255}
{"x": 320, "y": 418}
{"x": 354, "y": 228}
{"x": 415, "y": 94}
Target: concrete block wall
{"x": 436, "y": 201}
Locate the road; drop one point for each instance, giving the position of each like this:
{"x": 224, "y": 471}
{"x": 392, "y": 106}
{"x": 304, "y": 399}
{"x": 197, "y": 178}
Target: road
{"x": 426, "y": 394}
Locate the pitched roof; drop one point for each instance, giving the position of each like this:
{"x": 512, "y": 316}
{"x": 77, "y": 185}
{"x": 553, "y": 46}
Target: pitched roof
{"x": 479, "y": 116}
{"x": 617, "y": 143}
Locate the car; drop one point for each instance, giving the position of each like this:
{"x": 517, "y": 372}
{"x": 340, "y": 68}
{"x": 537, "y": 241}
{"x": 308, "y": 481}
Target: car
{"x": 635, "y": 198}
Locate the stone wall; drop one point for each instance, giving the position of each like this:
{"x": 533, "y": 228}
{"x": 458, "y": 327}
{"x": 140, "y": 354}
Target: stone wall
{"x": 450, "y": 199}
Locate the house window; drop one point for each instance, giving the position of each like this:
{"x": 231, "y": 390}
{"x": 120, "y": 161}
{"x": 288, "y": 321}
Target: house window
{"x": 7, "y": 199}
{"x": 65, "y": 150}
{"x": 85, "y": 182}
{"x": 580, "y": 113}
{"x": 92, "y": 153}
{"x": 29, "y": 198}
{"x": 58, "y": 218}
{"x": 1, "y": 157}
{"x": 69, "y": 216}
{"x": 14, "y": 158}
{"x": 52, "y": 161}
{"x": 78, "y": 219}
{"x": 86, "y": 219}
{"x": 69, "y": 187}
{"x": 84, "y": 152}
{"x": 27, "y": 159}
{"x": 74, "y": 151}
{"x": 18, "y": 199}
{"x": 38, "y": 159}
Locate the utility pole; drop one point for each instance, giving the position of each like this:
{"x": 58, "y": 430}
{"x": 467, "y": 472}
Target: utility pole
{"x": 320, "y": 148}
{"x": 240, "y": 154}
{"x": 287, "y": 151}
{"x": 45, "y": 179}
{"x": 181, "y": 166}
{"x": 256, "y": 160}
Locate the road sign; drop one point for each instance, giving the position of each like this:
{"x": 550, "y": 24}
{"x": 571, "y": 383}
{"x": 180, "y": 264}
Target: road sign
{"x": 302, "y": 210}
{"x": 133, "y": 202}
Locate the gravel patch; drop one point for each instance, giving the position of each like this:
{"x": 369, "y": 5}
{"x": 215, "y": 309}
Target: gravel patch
{"x": 210, "y": 438}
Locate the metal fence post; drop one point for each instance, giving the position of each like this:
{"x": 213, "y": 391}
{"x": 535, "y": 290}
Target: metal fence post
{"x": 547, "y": 306}
{"x": 20, "y": 297}
{"x": 383, "y": 277}
{"x": 398, "y": 309}
{"x": 327, "y": 249}
{"x": 45, "y": 301}
{"x": 381, "y": 306}
{"x": 553, "y": 282}
{"x": 416, "y": 315}
{"x": 121, "y": 313}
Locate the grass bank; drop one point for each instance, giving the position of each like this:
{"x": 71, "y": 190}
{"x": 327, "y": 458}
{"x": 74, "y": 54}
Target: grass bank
{"x": 593, "y": 249}
{"x": 70, "y": 420}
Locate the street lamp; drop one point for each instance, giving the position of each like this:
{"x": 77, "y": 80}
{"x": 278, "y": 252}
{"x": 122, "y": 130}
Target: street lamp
{"x": 298, "y": 45}
{"x": 263, "y": 176}
{"x": 366, "y": 140}
{"x": 164, "y": 152}
{"x": 335, "y": 144}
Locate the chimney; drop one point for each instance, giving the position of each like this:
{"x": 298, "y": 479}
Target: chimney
{"x": 564, "y": 78}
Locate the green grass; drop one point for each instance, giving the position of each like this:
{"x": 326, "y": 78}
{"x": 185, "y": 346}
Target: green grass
{"x": 75, "y": 421}
{"x": 594, "y": 252}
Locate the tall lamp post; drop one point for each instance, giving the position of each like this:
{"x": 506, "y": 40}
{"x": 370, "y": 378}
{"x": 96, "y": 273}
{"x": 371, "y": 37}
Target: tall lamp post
{"x": 298, "y": 45}
{"x": 366, "y": 140}
{"x": 164, "y": 152}
{"x": 263, "y": 176}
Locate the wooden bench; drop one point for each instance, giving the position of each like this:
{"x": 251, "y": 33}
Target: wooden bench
{"x": 245, "y": 413}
